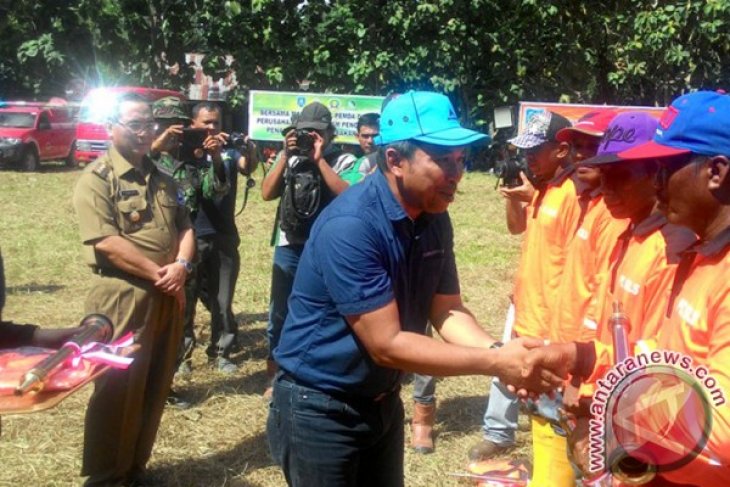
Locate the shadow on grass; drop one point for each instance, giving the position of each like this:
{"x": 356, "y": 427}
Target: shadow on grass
{"x": 248, "y": 318}
{"x": 34, "y": 288}
{"x": 222, "y": 468}
{"x": 461, "y": 414}
{"x": 252, "y": 383}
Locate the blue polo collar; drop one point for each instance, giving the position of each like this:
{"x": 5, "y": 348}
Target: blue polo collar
{"x": 392, "y": 206}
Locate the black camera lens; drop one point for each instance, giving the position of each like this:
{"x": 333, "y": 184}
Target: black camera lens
{"x": 305, "y": 142}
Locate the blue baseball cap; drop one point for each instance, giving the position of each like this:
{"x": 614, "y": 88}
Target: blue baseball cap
{"x": 426, "y": 117}
{"x": 694, "y": 123}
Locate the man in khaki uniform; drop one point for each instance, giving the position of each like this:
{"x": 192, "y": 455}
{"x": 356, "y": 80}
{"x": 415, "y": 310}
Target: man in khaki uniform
{"x": 138, "y": 241}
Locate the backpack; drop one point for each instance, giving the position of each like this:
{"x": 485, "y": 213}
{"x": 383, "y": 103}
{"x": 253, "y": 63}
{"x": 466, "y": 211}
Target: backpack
{"x": 301, "y": 200}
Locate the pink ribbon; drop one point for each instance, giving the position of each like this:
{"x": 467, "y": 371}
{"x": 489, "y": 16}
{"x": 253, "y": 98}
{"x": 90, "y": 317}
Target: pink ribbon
{"x": 102, "y": 353}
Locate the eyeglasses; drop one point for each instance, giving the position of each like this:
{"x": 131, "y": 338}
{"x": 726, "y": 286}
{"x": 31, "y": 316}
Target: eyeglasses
{"x": 139, "y": 128}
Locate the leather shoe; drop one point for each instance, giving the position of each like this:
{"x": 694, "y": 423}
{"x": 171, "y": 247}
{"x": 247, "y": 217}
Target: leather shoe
{"x": 176, "y": 401}
{"x": 486, "y": 449}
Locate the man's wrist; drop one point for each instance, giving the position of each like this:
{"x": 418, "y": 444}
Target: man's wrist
{"x": 584, "y": 359}
{"x": 187, "y": 265}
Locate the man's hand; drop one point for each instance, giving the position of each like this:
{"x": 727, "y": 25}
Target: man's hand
{"x": 554, "y": 360}
{"x": 318, "y": 147}
{"x": 213, "y": 145}
{"x": 171, "y": 278}
{"x": 168, "y": 140}
{"x": 524, "y": 192}
{"x": 513, "y": 356}
{"x": 290, "y": 142}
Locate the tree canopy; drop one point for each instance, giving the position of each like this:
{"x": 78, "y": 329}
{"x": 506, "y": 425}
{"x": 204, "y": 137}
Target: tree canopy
{"x": 483, "y": 53}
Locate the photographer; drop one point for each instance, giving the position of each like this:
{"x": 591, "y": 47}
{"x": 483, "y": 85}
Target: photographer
{"x": 309, "y": 157}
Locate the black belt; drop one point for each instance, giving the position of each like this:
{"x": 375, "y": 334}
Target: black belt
{"x": 343, "y": 396}
{"x": 117, "y": 273}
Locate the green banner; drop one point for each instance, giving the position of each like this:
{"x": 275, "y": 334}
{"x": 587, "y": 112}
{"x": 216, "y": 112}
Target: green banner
{"x": 269, "y": 112}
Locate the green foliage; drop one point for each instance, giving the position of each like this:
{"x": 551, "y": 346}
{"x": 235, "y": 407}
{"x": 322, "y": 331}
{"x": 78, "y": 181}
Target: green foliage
{"x": 483, "y": 53}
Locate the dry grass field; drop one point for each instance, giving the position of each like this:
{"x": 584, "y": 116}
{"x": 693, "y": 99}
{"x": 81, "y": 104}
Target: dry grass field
{"x": 221, "y": 441}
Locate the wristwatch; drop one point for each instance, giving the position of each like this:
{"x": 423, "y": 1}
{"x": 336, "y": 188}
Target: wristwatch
{"x": 186, "y": 264}
{"x": 496, "y": 345}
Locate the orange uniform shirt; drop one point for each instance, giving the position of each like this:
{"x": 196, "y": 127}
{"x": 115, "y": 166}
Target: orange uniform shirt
{"x": 699, "y": 326}
{"x": 586, "y": 265}
{"x": 641, "y": 269}
{"x": 552, "y": 220}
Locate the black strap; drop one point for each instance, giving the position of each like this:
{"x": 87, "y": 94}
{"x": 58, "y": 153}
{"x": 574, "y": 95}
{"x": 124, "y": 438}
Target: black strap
{"x": 250, "y": 183}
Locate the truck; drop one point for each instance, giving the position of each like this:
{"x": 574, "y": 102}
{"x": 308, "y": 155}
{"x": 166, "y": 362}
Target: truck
{"x": 92, "y": 137}
{"x": 35, "y": 132}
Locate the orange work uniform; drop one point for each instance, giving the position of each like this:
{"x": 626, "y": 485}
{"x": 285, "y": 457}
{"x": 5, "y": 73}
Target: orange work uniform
{"x": 641, "y": 269}
{"x": 586, "y": 265}
{"x": 699, "y": 327}
{"x": 552, "y": 220}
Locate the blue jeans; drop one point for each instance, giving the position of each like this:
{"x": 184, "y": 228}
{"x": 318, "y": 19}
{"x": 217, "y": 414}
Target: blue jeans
{"x": 286, "y": 261}
{"x": 322, "y": 440}
{"x": 424, "y": 386}
{"x": 500, "y": 417}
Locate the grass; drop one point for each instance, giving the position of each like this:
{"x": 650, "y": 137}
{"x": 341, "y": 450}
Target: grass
{"x": 221, "y": 440}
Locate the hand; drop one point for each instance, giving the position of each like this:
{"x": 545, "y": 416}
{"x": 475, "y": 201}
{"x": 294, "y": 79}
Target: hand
{"x": 171, "y": 278}
{"x": 318, "y": 146}
{"x": 525, "y": 192}
{"x": 290, "y": 142}
{"x": 511, "y": 370}
{"x": 213, "y": 144}
{"x": 554, "y": 360}
{"x": 168, "y": 140}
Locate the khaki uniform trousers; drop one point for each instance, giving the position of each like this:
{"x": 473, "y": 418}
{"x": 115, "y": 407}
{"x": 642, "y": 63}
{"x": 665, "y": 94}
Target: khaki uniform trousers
{"x": 125, "y": 409}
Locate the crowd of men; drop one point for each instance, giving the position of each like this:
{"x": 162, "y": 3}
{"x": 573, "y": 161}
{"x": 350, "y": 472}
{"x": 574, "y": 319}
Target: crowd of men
{"x": 619, "y": 209}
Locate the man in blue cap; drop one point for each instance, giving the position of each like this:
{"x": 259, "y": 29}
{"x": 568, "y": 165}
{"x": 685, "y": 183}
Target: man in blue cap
{"x": 378, "y": 264}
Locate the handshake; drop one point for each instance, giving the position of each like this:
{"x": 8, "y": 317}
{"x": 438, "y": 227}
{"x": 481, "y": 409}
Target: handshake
{"x": 529, "y": 366}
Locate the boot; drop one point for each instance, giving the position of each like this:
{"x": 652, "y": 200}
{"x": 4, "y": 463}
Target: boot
{"x": 422, "y": 427}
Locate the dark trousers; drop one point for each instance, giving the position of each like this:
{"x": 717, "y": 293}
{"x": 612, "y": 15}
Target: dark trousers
{"x": 319, "y": 439}
{"x": 286, "y": 261}
{"x": 213, "y": 281}
{"x": 126, "y": 407}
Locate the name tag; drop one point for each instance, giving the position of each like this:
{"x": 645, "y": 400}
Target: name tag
{"x": 551, "y": 212}
{"x": 128, "y": 193}
{"x": 687, "y": 312}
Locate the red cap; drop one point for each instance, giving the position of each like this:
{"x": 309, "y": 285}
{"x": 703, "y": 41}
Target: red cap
{"x": 592, "y": 123}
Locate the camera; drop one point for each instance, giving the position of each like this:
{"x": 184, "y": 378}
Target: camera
{"x": 238, "y": 141}
{"x": 509, "y": 172}
{"x": 305, "y": 143}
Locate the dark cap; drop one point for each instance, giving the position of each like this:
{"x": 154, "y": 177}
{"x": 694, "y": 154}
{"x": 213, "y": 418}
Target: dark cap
{"x": 314, "y": 116}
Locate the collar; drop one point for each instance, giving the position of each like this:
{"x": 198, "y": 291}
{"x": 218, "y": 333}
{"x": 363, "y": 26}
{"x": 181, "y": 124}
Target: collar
{"x": 713, "y": 247}
{"x": 649, "y": 224}
{"x": 122, "y": 167}
{"x": 393, "y": 208}
{"x": 560, "y": 178}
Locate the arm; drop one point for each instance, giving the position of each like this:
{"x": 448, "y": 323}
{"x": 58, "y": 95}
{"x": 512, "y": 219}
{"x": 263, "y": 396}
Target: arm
{"x": 517, "y": 200}
{"x": 516, "y": 213}
{"x": 249, "y": 161}
{"x": 389, "y": 346}
{"x": 331, "y": 179}
{"x": 125, "y": 256}
{"x": 171, "y": 277}
{"x": 456, "y": 324}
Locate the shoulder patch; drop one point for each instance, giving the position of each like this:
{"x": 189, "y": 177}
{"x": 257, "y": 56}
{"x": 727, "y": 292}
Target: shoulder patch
{"x": 101, "y": 170}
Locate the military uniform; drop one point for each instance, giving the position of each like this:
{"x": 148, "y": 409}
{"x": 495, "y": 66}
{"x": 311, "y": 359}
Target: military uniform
{"x": 198, "y": 182}
{"x": 112, "y": 198}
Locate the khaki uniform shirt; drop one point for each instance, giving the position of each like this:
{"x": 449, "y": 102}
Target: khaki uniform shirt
{"x": 114, "y": 198}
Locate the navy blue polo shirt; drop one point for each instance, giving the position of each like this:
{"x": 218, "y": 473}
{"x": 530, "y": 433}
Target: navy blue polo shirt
{"x": 363, "y": 252}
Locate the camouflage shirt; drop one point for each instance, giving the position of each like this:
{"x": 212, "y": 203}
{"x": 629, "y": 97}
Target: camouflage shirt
{"x": 196, "y": 181}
